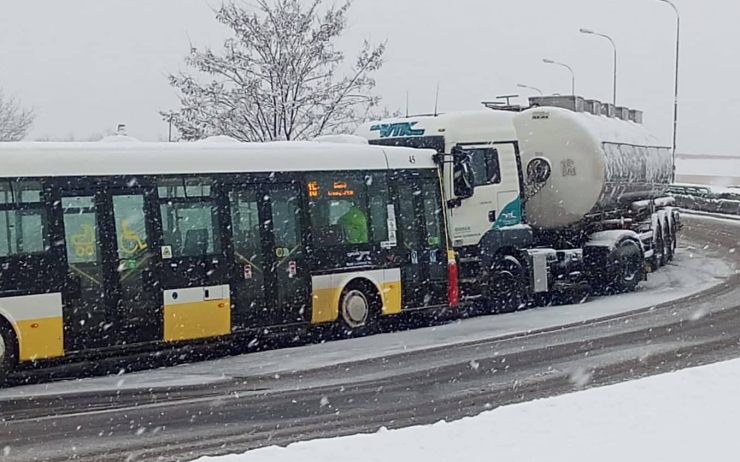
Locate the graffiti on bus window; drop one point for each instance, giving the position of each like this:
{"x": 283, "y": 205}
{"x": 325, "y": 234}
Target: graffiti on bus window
{"x": 130, "y": 242}
{"x": 83, "y": 242}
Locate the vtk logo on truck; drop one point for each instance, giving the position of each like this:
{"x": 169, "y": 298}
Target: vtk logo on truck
{"x": 397, "y": 130}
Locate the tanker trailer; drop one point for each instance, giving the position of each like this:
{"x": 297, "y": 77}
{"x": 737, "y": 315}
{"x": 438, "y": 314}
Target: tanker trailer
{"x": 597, "y": 184}
{"x": 547, "y": 199}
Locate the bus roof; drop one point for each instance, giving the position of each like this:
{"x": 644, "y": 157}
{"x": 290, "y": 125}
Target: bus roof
{"x": 42, "y": 159}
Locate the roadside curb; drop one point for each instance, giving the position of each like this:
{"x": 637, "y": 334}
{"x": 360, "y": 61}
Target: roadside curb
{"x": 700, "y": 213}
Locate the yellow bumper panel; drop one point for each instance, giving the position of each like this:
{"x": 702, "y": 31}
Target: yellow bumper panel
{"x": 40, "y": 338}
{"x": 38, "y": 324}
{"x": 187, "y": 321}
{"x": 325, "y": 305}
{"x": 392, "y": 297}
{"x": 197, "y": 312}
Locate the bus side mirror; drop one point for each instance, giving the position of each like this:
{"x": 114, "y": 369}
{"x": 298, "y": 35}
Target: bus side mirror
{"x": 464, "y": 177}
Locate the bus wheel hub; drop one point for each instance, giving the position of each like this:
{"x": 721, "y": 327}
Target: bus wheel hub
{"x": 355, "y": 308}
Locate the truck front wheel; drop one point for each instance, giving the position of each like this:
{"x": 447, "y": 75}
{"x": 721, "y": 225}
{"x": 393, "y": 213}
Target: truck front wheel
{"x": 508, "y": 288}
{"x": 626, "y": 267}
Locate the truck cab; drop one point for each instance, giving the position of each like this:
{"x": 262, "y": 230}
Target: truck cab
{"x": 481, "y": 171}
{"x": 478, "y": 151}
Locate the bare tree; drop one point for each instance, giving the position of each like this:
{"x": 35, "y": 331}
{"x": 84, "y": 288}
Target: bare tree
{"x": 280, "y": 77}
{"x": 15, "y": 121}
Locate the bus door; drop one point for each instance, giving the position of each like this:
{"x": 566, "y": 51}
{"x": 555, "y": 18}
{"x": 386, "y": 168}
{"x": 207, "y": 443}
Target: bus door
{"x": 288, "y": 280}
{"x": 137, "y": 294}
{"x": 195, "y": 264}
{"x": 422, "y": 242}
{"x": 249, "y": 216}
{"x": 87, "y": 315}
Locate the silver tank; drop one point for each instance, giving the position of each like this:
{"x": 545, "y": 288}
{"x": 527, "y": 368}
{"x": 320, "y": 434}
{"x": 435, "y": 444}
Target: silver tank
{"x": 578, "y": 165}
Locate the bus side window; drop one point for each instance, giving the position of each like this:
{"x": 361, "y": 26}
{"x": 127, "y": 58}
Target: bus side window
{"x": 190, "y": 221}
{"x": 377, "y": 186}
{"x": 340, "y": 208}
{"x": 432, "y": 215}
{"x": 245, "y": 223}
{"x": 286, "y": 218}
{"x": 23, "y": 219}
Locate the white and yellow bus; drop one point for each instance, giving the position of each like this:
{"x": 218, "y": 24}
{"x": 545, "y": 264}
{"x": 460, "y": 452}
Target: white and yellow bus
{"x": 109, "y": 246}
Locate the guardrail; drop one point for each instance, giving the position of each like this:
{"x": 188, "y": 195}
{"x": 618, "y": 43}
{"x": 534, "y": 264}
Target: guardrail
{"x": 705, "y": 204}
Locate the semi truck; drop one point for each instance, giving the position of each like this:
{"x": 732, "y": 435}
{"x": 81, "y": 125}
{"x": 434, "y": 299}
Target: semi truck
{"x": 564, "y": 196}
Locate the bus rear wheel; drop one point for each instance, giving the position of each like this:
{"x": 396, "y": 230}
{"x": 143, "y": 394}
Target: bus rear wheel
{"x": 7, "y": 353}
{"x": 358, "y": 310}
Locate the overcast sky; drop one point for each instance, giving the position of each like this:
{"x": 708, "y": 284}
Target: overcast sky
{"x": 86, "y": 65}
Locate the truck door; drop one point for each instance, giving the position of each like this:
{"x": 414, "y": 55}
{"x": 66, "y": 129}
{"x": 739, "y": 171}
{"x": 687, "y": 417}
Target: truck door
{"x": 497, "y": 200}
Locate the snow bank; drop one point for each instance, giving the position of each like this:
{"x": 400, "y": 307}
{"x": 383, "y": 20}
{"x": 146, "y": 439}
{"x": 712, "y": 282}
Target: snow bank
{"x": 683, "y": 416}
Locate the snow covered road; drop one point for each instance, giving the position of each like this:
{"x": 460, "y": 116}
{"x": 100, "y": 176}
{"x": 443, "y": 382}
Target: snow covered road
{"x": 392, "y": 380}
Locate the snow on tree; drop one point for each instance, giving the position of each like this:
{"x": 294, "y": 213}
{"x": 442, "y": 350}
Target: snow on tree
{"x": 280, "y": 77}
{"x": 15, "y": 121}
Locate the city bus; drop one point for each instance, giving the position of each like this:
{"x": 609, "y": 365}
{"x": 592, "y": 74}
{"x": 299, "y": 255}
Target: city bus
{"x": 107, "y": 247}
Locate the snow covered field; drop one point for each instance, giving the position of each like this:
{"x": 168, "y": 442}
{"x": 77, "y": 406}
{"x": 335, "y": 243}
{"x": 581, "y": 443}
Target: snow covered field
{"x": 682, "y": 416}
{"x": 690, "y": 273}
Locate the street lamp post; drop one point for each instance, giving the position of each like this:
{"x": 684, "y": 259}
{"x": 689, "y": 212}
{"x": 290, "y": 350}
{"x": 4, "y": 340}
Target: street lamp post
{"x": 170, "y": 116}
{"x": 521, "y": 85}
{"x": 572, "y": 74}
{"x": 675, "y": 93}
{"x": 614, "y": 46}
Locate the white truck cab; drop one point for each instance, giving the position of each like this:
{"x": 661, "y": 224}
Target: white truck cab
{"x": 489, "y": 141}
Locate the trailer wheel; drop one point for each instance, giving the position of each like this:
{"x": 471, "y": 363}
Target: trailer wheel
{"x": 668, "y": 241}
{"x": 8, "y": 353}
{"x": 674, "y": 235}
{"x": 359, "y": 309}
{"x": 508, "y": 285}
{"x": 658, "y": 247}
{"x": 626, "y": 267}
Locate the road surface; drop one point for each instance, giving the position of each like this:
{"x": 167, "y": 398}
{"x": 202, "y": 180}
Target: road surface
{"x": 419, "y": 387}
